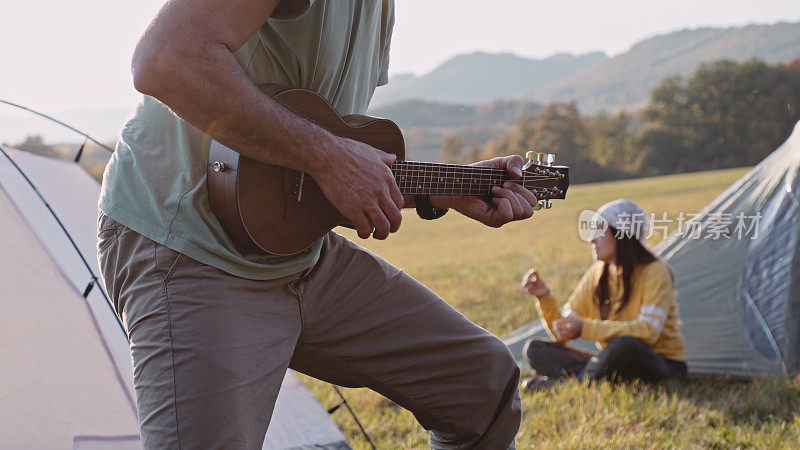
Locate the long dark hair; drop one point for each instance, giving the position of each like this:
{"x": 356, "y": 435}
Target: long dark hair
{"x": 630, "y": 253}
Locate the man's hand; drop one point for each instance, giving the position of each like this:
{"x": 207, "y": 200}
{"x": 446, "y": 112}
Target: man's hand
{"x": 359, "y": 183}
{"x": 508, "y": 203}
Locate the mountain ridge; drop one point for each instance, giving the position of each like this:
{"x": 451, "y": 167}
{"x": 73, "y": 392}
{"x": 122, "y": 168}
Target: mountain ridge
{"x": 492, "y": 76}
{"x": 625, "y": 80}
{"x": 594, "y": 80}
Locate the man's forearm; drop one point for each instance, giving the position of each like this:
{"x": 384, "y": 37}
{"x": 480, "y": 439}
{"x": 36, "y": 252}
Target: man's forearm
{"x": 202, "y": 83}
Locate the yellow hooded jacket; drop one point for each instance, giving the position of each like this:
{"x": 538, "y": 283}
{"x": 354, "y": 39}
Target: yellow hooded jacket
{"x": 651, "y": 314}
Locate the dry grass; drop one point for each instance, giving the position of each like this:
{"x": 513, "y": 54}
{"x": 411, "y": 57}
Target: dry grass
{"x": 477, "y": 270}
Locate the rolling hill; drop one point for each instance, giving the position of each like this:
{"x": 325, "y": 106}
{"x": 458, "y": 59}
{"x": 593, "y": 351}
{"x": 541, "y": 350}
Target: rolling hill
{"x": 595, "y": 81}
{"x": 626, "y": 80}
{"x": 482, "y": 77}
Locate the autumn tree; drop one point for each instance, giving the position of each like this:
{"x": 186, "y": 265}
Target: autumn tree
{"x": 726, "y": 114}
{"x": 612, "y": 144}
{"x": 452, "y": 149}
{"x": 474, "y": 153}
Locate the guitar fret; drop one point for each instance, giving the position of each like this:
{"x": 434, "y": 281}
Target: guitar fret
{"x": 414, "y": 178}
{"x": 446, "y": 179}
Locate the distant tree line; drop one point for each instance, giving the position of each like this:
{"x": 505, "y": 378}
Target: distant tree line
{"x": 35, "y": 144}
{"x": 726, "y": 114}
{"x": 93, "y": 159}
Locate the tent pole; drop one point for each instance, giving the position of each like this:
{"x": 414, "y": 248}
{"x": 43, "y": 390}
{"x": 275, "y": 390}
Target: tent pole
{"x": 66, "y": 233}
{"x": 53, "y": 119}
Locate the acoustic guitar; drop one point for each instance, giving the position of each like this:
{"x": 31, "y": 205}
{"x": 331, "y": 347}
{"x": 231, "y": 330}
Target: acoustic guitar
{"x": 272, "y": 209}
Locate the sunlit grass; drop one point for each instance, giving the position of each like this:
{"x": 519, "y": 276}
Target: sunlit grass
{"x": 477, "y": 270}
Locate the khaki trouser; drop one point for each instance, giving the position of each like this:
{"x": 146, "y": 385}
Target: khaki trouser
{"x": 210, "y": 349}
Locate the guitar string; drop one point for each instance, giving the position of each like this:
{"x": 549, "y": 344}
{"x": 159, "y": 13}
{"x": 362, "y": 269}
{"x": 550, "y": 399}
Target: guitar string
{"x": 438, "y": 176}
{"x": 431, "y": 183}
{"x": 470, "y": 190}
{"x": 539, "y": 195}
{"x": 443, "y": 182}
{"x": 467, "y": 173}
{"x": 490, "y": 172}
{"x": 310, "y": 185}
{"x": 455, "y": 166}
{"x": 454, "y": 169}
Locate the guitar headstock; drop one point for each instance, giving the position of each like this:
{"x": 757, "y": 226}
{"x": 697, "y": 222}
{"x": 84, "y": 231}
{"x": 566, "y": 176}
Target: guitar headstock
{"x": 546, "y": 180}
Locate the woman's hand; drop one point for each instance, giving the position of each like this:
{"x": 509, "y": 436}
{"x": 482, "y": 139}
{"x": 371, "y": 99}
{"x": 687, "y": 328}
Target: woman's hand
{"x": 568, "y": 327}
{"x": 533, "y": 284}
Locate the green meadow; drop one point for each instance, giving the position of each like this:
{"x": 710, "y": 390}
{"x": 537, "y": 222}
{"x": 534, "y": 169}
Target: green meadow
{"x": 478, "y": 269}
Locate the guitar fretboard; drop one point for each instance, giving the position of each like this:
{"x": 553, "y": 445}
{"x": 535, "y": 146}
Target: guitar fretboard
{"x": 419, "y": 178}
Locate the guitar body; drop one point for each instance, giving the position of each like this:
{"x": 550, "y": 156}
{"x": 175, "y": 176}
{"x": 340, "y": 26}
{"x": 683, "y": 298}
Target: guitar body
{"x": 267, "y": 208}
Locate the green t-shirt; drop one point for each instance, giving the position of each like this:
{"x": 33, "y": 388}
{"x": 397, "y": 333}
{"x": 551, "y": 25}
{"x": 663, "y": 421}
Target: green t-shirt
{"x": 155, "y": 182}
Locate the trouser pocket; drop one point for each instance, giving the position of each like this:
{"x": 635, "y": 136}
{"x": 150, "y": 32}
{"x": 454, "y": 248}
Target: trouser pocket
{"x": 107, "y": 232}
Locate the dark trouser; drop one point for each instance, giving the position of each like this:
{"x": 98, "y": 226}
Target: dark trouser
{"x": 624, "y": 358}
{"x": 210, "y": 350}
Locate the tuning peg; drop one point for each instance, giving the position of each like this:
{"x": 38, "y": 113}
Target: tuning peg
{"x": 546, "y": 159}
{"x": 543, "y": 204}
{"x": 543, "y": 159}
{"x": 530, "y": 157}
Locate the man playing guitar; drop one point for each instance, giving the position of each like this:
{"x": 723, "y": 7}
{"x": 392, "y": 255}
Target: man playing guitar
{"x": 212, "y": 328}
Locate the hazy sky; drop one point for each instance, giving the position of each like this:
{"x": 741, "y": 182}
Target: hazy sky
{"x": 61, "y": 55}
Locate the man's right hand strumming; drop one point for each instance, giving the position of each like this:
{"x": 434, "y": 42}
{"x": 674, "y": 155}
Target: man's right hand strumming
{"x": 358, "y": 181}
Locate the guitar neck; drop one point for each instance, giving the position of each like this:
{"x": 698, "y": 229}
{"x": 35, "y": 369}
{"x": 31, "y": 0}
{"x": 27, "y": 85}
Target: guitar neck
{"x": 422, "y": 178}
{"x": 267, "y": 208}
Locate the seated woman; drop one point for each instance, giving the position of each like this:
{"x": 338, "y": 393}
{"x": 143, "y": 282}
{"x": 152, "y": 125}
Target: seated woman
{"x": 625, "y": 302}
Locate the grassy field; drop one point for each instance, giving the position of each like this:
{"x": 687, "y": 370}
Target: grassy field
{"x": 477, "y": 270}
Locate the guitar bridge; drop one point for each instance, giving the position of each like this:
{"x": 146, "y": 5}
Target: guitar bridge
{"x": 298, "y": 187}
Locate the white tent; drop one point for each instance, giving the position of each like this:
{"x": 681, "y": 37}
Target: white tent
{"x": 740, "y": 296}
{"x": 65, "y": 369}
{"x": 738, "y": 288}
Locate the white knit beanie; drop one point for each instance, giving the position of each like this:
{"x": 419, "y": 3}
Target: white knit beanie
{"x": 625, "y": 216}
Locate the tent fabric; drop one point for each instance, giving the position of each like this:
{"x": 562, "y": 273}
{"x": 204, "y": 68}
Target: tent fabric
{"x": 299, "y": 409}
{"x": 65, "y": 368}
{"x": 737, "y": 275}
{"x": 72, "y": 195}
{"x": 56, "y": 380}
{"x": 739, "y": 296}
